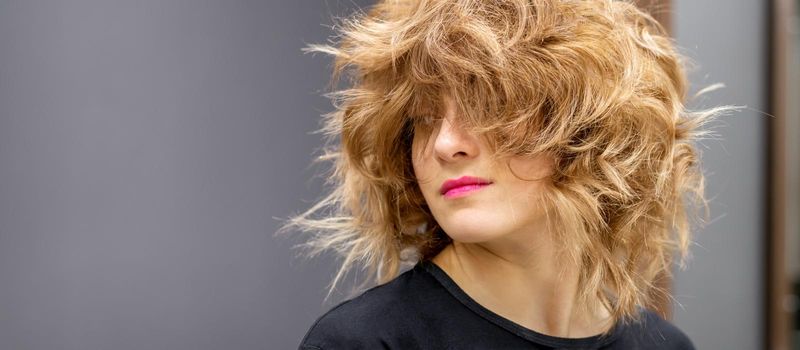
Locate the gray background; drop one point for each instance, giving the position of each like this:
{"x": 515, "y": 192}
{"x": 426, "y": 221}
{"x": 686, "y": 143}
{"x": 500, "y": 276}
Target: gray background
{"x": 145, "y": 147}
{"x": 721, "y": 293}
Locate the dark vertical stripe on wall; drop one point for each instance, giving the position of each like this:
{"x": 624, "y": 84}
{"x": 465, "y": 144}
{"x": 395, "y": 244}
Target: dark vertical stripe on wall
{"x": 776, "y": 325}
{"x": 661, "y": 10}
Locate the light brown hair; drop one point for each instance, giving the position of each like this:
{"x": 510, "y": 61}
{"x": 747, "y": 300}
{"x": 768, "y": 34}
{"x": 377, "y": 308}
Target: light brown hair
{"x": 597, "y": 83}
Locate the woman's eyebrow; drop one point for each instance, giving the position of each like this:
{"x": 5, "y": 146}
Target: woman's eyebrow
{"x": 425, "y": 108}
{"x": 418, "y": 111}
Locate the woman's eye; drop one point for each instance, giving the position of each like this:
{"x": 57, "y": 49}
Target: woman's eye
{"x": 423, "y": 125}
{"x": 426, "y": 120}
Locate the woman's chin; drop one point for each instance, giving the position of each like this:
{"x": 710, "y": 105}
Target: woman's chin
{"x": 465, "y": 233}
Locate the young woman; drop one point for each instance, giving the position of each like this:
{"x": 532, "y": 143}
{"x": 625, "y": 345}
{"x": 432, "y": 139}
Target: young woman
{"x": 526, "y": 159}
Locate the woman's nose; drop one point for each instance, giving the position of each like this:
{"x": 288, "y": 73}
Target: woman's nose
{"x": 454, "y": 143}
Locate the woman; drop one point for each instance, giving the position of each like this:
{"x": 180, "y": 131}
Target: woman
{"x": 527, "y": 159}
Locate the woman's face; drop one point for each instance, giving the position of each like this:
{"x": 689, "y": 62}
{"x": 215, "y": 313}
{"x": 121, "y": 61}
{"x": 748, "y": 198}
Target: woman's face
{"x": 505, "y": 207}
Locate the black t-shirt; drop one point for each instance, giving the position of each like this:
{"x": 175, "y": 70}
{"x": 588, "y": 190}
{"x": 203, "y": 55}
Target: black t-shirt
{"x": 423, "y": 308}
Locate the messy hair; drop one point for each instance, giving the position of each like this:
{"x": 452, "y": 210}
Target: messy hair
{"x": 598, "y": 84}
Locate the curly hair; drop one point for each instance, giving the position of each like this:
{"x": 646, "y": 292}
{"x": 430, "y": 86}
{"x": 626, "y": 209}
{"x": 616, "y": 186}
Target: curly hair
{"x": 598, "y": 84}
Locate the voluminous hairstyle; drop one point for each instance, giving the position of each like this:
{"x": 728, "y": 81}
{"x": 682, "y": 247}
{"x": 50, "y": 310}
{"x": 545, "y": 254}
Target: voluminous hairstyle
{"x": 598, "y": 84}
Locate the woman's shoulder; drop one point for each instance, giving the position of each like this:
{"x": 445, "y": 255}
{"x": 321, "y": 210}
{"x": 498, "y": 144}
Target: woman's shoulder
{"x": 654, "y": 332}
{"x": 358, "y": 321}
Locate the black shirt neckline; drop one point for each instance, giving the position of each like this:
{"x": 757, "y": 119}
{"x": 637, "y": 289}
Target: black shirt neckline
{"x": 449, "y": 284}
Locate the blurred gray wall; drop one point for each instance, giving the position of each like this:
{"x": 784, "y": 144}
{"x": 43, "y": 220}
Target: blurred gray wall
{"x": 145, "y": 147}
{"x": 720, "y": 296}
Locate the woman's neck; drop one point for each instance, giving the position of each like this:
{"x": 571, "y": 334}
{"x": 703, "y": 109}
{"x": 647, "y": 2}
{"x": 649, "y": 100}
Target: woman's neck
{"x": 525, "y": 283}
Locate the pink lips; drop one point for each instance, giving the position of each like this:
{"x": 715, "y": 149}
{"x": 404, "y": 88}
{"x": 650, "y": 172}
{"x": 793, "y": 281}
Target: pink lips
{"x": 462, "y": 186}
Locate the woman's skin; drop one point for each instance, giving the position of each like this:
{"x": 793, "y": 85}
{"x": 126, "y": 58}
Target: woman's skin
{"x": 502, "y": 254}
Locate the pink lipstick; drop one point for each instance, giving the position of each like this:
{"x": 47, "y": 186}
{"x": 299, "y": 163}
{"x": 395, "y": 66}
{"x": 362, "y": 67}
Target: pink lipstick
{"x": 462, "y": 186}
